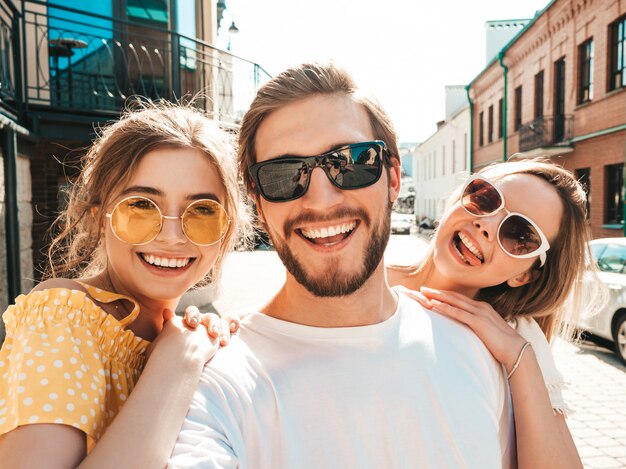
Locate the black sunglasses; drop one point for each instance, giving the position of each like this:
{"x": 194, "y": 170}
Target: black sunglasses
{"x": 348, "y": 167}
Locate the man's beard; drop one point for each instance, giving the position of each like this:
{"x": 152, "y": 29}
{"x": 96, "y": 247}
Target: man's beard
{"x": 334, "y": 282}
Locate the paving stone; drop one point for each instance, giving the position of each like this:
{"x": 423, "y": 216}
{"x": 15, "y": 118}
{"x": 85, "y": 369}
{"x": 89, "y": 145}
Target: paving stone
{"x": 587, "y": 451}
{"x": 601, "y": 462}
{"x": 586, "y": 432}
{"x": 615, "y": 451}
{"x": 601, "y": 442}
{"x": 617, "y": 433}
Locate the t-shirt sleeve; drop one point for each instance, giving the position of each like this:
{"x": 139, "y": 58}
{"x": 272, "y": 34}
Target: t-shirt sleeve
{"x": 204, "y": 440}
{"x": 51, "y": 371}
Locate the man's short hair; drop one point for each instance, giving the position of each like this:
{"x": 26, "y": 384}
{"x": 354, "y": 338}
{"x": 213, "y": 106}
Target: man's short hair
{"x": 301, "y": 82}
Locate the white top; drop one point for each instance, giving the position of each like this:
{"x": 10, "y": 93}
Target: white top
{"x": 417, "y": 390}
{"x": 529, "y": 329}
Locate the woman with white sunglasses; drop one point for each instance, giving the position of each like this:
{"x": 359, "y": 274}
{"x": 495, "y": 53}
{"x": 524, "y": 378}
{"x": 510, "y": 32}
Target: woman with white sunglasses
{"x": 96, "y": 370}
{"x": 509, "y": 252}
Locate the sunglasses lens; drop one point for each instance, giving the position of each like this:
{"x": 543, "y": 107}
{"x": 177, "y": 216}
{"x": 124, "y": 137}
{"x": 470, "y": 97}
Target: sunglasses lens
{"x": 518, "y": 236}
{"x": 355, "y": 166}
{"x": 480, "y": 197}
{"x": 136, "y": 220}
{"x": 205, "y": 222}
{"x": 284, "y": 179}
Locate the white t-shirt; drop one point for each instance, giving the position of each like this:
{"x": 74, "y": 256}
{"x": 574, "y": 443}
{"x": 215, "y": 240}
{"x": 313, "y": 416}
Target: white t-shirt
{"x": 415, "y": 391}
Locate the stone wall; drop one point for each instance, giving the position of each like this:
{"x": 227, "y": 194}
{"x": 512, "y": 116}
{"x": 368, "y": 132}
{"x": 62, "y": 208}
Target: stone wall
{"x": 25, "y": 214}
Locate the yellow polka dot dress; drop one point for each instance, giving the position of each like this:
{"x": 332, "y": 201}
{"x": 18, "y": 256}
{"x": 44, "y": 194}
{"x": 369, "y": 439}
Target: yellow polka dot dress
{"x": 65, "y": 360}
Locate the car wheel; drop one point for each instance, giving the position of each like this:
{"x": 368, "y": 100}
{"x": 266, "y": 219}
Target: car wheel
{"x": 619, "y": 336}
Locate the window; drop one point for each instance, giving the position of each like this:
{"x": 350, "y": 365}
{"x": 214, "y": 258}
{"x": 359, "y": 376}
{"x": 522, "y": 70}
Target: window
{"x": 490, "y": 124}
{"x": 584, "y": 177}
{"x": 501, "y": 117}
{"x": 443, "y": 160}
{"x": 617, "y": 73}
{"x": 453, "y": 156}
{"x": 585, "y": 72}
{"x": 150, "y": 12}
{"x": 614, "y": 194}
{"x": 518, "y": 108}
{"x": 465, "y": 151}
{"x": 481, "y": 129}
{"x": 539, "y": 95}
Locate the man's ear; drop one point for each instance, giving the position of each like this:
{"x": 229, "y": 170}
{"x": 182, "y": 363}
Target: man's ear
{"x": 528, "y": 276}
{"x": 394, "y": 179}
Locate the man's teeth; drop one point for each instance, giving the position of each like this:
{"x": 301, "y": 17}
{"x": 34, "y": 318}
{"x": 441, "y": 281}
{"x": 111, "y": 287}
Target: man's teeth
{"x": 328, "y": 231}
{"x": 469, "y": 245}
{"x": 170, "y": 262}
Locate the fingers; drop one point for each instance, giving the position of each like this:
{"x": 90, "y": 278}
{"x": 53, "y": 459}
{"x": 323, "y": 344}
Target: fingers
{"x": 458, "y": 300}
{"x": 224, "y": 332}
{"x": 417, "y": 296}
{"x": 168, "y": 314}
{"x": 191, "y": 317}
{"x": 453, "y": 312}
{"x": 216, "y": 327}
{"x": 233, "y": 323}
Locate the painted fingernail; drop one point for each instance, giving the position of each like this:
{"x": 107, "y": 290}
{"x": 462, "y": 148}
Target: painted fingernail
{"x": 214, "y": 330}
{"x": 233, "y": 326}
{"x": 192, "y": 320}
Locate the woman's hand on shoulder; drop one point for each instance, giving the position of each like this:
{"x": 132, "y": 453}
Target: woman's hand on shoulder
{"x": 499, "y": 337}
{"x": 196, "y": 336}
{"x": 215, "y": 326}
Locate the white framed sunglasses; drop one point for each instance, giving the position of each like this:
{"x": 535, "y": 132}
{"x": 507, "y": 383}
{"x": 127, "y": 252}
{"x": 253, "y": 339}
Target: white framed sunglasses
{"x": 517, "y": 235}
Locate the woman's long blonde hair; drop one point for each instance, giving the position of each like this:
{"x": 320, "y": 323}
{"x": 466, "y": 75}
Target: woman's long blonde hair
{"x": 108, "y": 165}
{"x": 557, "y": 288}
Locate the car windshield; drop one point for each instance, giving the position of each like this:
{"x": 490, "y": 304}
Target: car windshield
{"x": 610, "y": 257}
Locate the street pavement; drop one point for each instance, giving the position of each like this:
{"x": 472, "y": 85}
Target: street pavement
{"x": 596, "y": 390}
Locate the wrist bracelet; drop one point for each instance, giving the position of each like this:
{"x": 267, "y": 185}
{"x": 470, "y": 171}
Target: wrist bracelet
{"x": 519, "y": 358}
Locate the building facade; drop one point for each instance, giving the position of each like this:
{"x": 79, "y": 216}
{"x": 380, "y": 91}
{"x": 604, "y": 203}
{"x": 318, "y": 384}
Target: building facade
{"x": 68, "y": 67}
{"x": 441, "y": 162}
{"x": 558, "y": 89}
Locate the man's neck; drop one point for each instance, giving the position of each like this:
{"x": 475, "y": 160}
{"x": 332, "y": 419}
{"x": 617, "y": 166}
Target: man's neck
{"x": 373, "y": 303}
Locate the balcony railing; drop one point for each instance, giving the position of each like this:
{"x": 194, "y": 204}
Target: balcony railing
{"x": 80, "y": 62}
{"x": 547, "y": 131}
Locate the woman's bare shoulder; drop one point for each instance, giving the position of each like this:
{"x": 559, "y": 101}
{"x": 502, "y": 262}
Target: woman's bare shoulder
{"x": 59, "y": 283}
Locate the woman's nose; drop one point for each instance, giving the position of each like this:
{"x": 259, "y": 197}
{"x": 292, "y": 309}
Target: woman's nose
{"x": 487, "y": 226}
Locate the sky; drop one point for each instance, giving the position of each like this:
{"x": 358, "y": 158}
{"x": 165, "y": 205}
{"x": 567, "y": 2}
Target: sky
{"x": 402, "y": 51}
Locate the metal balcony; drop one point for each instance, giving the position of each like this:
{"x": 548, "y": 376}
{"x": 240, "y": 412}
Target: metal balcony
{"x": 63, "y": 60}
{"x": 547, "y": 135}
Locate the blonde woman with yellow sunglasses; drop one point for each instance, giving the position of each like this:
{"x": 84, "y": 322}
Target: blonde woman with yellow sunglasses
{"x": 96, "y": 370}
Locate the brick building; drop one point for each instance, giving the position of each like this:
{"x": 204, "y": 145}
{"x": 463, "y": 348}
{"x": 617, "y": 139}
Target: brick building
{"x": 558, "y": 89}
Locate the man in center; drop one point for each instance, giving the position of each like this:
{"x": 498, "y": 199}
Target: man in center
{"x": 338, "y": 369}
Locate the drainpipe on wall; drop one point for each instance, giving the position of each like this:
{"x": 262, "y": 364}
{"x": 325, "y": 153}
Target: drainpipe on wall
{"x": 504, "y": 100}
{"x": 12, "y": 230}
{"x": 471, "y": 129}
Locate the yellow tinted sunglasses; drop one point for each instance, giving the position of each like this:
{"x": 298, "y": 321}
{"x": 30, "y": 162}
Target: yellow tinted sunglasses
{"x": 138, "y": 220}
